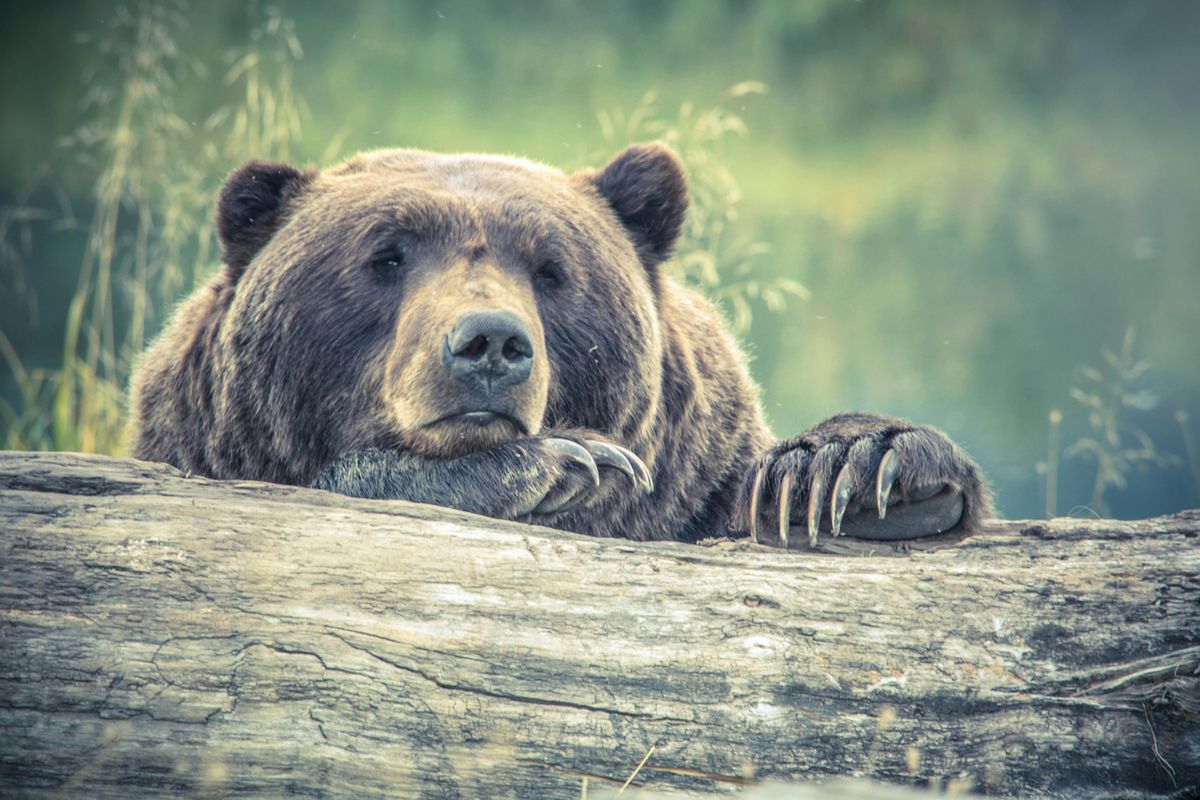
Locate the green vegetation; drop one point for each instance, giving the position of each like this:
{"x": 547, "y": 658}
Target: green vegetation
{"x": 934, "y": 209}
{"x": 148, "y": 241}
{"x": 1115, "y": 445}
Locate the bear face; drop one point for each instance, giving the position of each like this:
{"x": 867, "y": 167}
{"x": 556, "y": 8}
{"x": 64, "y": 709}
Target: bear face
{"x": 441, "y": 304}
{"x": 490, "y": 334}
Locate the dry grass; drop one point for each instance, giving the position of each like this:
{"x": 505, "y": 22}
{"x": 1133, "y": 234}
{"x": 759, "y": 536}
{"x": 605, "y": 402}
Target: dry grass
{"x": 149, "y": 237}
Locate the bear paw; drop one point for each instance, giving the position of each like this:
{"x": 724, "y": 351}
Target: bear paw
{"x": 539, "y": 477}
{"x": 877, "y": 478}
{"x": 579, "y": 469}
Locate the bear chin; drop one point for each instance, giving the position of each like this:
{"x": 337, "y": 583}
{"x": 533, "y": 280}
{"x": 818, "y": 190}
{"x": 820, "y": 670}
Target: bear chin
{"x": 459, "y": 434}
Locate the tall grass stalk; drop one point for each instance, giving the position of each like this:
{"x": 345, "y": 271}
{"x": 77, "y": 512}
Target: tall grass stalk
{"x": 149, "y": 238}
{"x": 1052, "y": 448}
{"x": 1109, "y": 394}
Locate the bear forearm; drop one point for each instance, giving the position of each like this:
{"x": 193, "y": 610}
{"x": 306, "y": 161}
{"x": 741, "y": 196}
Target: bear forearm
{"x": 468, "y": 484}
{"x": 541, "y": 477}
{"x": 372, "y": 474}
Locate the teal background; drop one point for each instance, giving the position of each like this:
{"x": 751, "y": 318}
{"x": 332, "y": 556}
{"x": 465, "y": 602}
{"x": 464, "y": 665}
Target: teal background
{"x": 978, "y": 197}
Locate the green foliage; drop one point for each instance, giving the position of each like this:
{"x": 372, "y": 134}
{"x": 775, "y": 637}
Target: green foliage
{"x": 149, "y": 239}
{"x": 717, "y": 255}
{"x": 27, "y": 424}
{"x": 1109, "y": 395}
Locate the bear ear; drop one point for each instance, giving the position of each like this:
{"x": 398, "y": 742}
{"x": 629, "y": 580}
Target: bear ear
{"x": 647, "y": 187}
{"x": 249, "y": 209}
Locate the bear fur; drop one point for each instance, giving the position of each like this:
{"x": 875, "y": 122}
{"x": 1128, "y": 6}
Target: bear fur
{"x": 327, "y": 352}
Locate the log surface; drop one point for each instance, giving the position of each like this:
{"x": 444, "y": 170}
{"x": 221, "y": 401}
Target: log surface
{"x": 170, "y": 635}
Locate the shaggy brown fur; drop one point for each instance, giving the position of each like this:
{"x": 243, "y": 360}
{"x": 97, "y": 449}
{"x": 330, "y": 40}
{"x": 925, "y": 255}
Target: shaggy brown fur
{"x": 490, "y": 334}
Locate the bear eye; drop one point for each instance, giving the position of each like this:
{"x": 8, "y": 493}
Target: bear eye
{"x": 549, "y": 275}
{"x": 390, "y": 260}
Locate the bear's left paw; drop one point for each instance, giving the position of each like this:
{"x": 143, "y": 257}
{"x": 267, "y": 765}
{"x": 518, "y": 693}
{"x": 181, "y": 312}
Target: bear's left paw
{"x": 866, "y": 476}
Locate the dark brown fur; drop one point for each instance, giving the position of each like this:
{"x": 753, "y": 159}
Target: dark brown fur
{"x": 314, "y": 356}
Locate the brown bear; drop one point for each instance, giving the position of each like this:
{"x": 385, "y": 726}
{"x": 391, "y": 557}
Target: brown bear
{"x": 493, "y": 335}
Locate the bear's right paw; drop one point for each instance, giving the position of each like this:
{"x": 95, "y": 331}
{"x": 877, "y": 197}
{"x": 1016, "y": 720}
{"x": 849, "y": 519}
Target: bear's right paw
{"x": 535, "y": 479}
{"x": 569, "y": 472}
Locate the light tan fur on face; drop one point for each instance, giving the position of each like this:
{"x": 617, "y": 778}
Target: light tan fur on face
{"x": 419, "y": 390}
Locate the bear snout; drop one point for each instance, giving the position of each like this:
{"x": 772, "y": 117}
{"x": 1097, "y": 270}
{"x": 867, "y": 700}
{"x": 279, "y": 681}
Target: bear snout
{"x": 489, "y": 350}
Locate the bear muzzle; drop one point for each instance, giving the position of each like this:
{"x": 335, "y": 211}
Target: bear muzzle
{"x": 487, "y": 392}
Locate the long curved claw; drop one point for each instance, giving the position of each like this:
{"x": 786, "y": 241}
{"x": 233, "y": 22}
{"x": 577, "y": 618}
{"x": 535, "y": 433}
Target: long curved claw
{"x": 755, "y": 491}
{"x": 639, "y": 466}
{"x": 605, "y": 455}
{"x": 843, "y": 487}
{"x": 785, "y": 508}
{"x": 577, "y": 453}
{"x": 889, "y": 465}
{"x": 816, "y": 497}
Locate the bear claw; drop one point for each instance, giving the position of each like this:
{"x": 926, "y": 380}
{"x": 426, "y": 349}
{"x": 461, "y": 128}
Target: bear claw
{"x": 855, "y": 464}
{"x": 578, "y": 453}
{"x": 843, "y": 488}
{"x": 785, "y": 509}
{"x": 591, "y": 455}
{"x": 609, "y": 455}
{"x": 755, "y": 493}
{"x": 816, "y": 496}
{"x": 889, "y": 465}
{"x": 605, "y": 455}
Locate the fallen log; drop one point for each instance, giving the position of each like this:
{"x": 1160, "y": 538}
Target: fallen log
{"x": 171, "y": 635}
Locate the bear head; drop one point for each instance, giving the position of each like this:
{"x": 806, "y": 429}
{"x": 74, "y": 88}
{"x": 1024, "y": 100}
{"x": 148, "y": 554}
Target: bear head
{"x": 441, "y": 303}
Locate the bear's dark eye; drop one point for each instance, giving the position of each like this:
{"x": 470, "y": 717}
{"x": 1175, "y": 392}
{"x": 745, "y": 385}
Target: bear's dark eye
{"x": 549, "y": 275}
{"x": 390, "y": 261}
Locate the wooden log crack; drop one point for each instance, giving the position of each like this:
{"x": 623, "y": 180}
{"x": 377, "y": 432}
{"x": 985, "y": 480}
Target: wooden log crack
{"x": 163, "y": 634}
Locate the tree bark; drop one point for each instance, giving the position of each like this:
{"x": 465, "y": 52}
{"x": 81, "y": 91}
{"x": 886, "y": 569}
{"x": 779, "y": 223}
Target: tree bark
{"x": 171, "y": 635}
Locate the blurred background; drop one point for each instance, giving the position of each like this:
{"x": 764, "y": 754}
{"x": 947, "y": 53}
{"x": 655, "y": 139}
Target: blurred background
{"x": 985, "y": 216}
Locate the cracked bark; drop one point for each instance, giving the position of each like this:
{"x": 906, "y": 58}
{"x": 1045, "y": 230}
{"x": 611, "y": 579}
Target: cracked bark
{"x": 171, "y": 635}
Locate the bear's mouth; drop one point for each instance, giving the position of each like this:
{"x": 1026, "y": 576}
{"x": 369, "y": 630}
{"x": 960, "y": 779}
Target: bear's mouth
{"x": 483, "y": 419}
{"x": 455, "y": 435}
{"x": 487, "y": 422}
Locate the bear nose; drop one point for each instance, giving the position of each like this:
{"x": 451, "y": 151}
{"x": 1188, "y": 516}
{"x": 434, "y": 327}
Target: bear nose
{"x": 489, "y": 347}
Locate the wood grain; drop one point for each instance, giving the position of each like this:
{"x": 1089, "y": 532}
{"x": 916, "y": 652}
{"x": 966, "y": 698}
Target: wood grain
{"x": 167, "y": 635}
